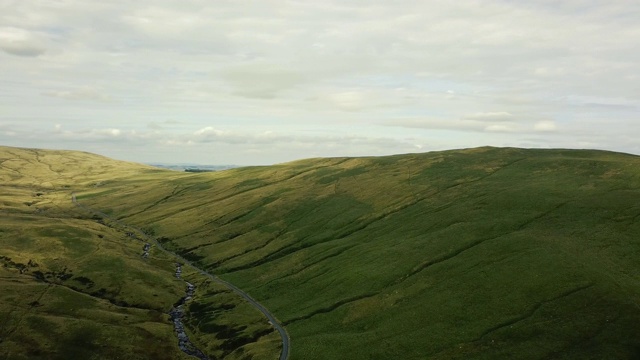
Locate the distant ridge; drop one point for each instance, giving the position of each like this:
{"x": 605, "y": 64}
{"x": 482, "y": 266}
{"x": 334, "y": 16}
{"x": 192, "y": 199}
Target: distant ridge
{"x": 194, "y": 167}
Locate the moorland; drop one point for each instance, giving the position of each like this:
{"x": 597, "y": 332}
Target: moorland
{"x": 481, "y": 253}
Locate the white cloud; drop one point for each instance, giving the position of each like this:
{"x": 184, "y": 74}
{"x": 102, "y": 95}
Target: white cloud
{"x": 545, "y": 126}
{"x": 84, "y": 93}
{"x": 499, "y": 128}
{"x": 20, "y": 42}
{"x": 262, "y": 81}
{"x": 471, "y": 72}
{"x": 209, "y": 131}
{"x": 483, "y": 122}
{"x": 490, "y": 116}
{"x": 112, "y": 132}
{"x": 349, "y": 100}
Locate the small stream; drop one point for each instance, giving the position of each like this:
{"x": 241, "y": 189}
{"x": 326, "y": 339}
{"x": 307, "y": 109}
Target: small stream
{"x": 177, "y": 313}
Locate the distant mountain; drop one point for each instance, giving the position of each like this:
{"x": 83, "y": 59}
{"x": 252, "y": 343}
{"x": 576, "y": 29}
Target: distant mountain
{"x": 194, "y": 167}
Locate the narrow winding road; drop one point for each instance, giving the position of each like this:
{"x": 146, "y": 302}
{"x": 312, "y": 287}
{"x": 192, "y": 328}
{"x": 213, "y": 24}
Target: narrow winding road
{"x": 284, "y": 355}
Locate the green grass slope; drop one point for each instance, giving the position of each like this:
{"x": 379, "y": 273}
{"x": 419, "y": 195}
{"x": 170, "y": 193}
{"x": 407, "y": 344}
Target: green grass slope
{"x": 71, "y": 287}
{"x": 482, "y": 253}
{"x": 74, "y": 286}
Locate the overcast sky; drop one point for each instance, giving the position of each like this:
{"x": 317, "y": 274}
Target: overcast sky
{"x": 261, "y": 82}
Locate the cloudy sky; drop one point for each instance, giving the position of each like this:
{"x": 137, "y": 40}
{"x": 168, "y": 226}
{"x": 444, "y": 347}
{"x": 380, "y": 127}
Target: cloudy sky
{"x": 261, "y": 82}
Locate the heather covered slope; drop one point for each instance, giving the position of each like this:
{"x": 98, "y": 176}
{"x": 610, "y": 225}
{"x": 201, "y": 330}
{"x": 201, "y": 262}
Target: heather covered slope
{"x": 482, "y": 253}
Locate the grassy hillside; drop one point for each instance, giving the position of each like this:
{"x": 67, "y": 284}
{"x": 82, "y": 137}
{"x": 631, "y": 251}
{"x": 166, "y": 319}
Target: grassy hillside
{"x": 74, "y": 286}
{"x": 484, "y": 253}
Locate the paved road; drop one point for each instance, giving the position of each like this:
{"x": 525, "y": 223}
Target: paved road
{"x": 284, "y": 355}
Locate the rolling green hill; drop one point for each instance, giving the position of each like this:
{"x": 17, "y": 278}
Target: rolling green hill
{"x": 74, "y": 286}
{"x": 482, "y": 253}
